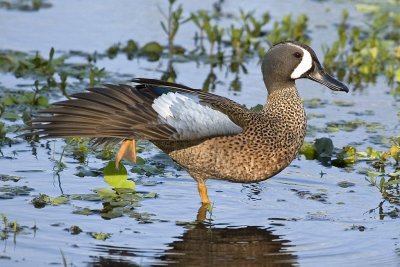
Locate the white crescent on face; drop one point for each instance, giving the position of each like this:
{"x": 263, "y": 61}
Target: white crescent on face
{"x": 304, "y": 65}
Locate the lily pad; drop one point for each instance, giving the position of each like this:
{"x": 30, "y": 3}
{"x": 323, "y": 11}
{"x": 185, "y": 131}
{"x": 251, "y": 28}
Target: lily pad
{"x": 345, "y": 184}
{"x": 324, "y": 147}
{"x": 74, "y": 230}
{"x": 8, "y": 192}
{"x": 84, "y": 211}
{"x": 343, "y": 103}
{"x": 314, "y": 103}
{"x": 117, "y": 178}
{"x": 6, "y": 178}
{"x": 42, "y": 200}
{"x": 100, "y": 235}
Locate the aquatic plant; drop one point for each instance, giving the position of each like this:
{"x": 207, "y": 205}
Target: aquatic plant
{"x": 24, "y": 5}
{"x": 117, "y": 176}
{"x": 100, "y": 235}
{"x": 42, "y": 200}
{"x": 173, "y": 22}
{"x": 213, "y": 32}
{"x": 387, "y": 182}
{"x": 289, "y": 29}
{"x": 362, "y": 53}
{"x": 10, "y": 227}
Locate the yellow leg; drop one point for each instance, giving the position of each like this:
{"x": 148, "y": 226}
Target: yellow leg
{"x": 202, "y": 212}
{"x": 203, "y": 192}
{"x": 127, "y": 151}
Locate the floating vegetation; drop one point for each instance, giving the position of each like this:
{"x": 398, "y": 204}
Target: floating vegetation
{"x": 117, "y": 177}
{"x": 6, "y": 178}
{"x": 100, "y": 235}
{"x": 352, "y": 125}
{"x": 9, "y": 192}
{"x": 321, "y": 197}
{"x": 314, "y": 103}
{"x": 43, "y": 200}
{"x": 74, "y": 230}
{"x": 346, "y": 184}
{"x": 362, "y": 53}
{"x": 378, "y": 175}
{"x": 24, "y": 5}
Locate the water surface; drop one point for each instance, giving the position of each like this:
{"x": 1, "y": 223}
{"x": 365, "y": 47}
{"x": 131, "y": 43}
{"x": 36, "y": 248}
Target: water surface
{"x": 295, "y": 218}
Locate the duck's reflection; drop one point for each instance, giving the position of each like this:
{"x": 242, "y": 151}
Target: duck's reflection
{"x": 246, "y": 246}
{"x": 204, "y": 246}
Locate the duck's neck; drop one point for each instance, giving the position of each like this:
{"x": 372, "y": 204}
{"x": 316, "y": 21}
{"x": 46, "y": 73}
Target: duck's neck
{"x": 284, "y": 109}
{"x": 283, "y": 101}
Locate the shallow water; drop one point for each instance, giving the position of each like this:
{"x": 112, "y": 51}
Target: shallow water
{"x": 295, "y": 218}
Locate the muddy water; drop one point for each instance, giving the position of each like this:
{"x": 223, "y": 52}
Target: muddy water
{"x": 295, "y": 218}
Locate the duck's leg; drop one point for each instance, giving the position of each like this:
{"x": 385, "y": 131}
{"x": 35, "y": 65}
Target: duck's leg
{"x": 127, "y": 151}
{"x": 201, "y": 186}
{"x": 202, "y": 212}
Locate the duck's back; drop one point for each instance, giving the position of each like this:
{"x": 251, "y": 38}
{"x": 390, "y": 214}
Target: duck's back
{"x": 268, "y": 143}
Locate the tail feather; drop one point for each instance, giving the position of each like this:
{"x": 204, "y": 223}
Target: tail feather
{"x": 112, "y": 112}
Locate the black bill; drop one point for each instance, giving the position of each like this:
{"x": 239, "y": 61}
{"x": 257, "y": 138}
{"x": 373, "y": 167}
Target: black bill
{"x": 319, "y": 75}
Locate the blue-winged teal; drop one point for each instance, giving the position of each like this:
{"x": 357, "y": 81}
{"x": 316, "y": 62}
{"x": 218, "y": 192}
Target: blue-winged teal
{"x": 209, "y": 135}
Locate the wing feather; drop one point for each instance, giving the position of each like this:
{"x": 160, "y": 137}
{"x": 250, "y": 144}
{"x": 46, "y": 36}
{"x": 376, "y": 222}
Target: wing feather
{"x": 111, "y": 113}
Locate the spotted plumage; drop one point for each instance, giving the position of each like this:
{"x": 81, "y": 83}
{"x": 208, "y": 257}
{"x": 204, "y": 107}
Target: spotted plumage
{"x": 210, "y": 135}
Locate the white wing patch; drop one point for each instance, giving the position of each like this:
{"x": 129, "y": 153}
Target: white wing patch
{"x": 304, "y": 66}
{"x": 191, "y": 119}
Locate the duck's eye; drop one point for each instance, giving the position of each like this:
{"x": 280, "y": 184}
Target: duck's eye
{"x": 297, "y": 54}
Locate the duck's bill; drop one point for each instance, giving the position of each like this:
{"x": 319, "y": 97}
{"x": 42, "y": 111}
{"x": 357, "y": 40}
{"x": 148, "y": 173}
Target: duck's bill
{"x": 320, "y": 76}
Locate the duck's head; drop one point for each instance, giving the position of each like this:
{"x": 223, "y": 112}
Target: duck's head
{"x": 288, "y": 61}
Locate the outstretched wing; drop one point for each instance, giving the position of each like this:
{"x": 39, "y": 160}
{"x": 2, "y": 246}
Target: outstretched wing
{"x": 152, "y": 109}
{"x": 235, "y": 111}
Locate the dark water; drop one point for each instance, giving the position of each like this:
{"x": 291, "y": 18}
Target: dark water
{"x": 295, "y": 218}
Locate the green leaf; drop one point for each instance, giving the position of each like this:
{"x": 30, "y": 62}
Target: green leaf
{"x": 42, "y": 101}
{"x": 382, "y": 183}
{"x": 394, "y": 174}
{"x": 393, "y": 182}
{"x": 58, "y": 200}
{"x": 100, "y": 235}
{"x": 117, "y": 178}
{"x": 140, "y": 161}
{"x": 152, "y": 50}
{"x": 84, "y": 211}
{"x": 373, "y": 174}
{"x": 397, "y": 73}
{"x": 163, "y": 27}
{"x": 11, "y": 116}
{"x": 345, "y": 184}
{"x": 51, "y": 54}
{"x": 308, "y": 150}
{"x": 324, "y": 147}
{"x": 150, "y": 195}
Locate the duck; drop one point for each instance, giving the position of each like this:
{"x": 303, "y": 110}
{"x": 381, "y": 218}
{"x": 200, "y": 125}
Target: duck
{"x": 211, "y": 136}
